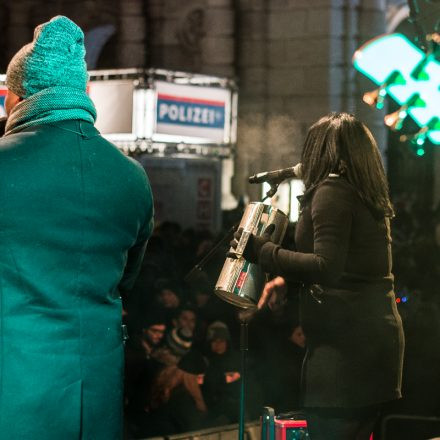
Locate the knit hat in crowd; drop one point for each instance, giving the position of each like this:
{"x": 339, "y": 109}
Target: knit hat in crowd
{"x": 217, "y": 330}
{"x": 179, "y": 340}
{"x": 193, "y": 362}
{"x": 55, "y": 57}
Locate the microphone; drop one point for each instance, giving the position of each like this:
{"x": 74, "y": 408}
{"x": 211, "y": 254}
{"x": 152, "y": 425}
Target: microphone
{"x": 277, "y": 176}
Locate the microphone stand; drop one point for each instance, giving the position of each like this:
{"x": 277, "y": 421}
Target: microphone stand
{"x": 244, "y": 348}
{"x": 244, "y": 330}
{"x": 244, "y": 339}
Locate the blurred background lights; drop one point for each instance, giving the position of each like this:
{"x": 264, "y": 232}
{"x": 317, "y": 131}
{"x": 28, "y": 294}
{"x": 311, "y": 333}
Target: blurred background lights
{"x": 407, "y": 75}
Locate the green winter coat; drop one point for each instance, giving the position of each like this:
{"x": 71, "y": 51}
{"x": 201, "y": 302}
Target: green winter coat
{"x": 75, "y": 218}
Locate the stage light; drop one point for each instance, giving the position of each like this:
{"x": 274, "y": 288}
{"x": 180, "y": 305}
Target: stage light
{"x": 376, "y": 98}
{"x": 379, "y": 58}
{"x": 425, "y": 133}
{"x": 417, "y": 141}
{"x": 419, "y": 150}
{"x": 395, "y": 120}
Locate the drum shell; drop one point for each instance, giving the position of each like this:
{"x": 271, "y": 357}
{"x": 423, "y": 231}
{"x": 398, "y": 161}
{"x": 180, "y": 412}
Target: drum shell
{"x": 241, "y": 282}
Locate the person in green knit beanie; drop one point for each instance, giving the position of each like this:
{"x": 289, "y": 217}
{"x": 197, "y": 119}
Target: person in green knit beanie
{"x": 47, "y": 78}
{"x": 76, "y": 218}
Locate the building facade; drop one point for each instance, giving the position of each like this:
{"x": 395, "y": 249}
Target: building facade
{"x": 290, "y": 58}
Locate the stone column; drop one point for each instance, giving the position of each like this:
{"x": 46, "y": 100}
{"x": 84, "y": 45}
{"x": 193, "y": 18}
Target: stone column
{"x": 132, "y": 33}
{"x": 217, "y": 45}
{"x": 292, "y": 68}
{"x": 251, "y": 26}
{"x": 155, "y": 19}
{"x": 176, "y": 33}
{"x": 372, "y": 22}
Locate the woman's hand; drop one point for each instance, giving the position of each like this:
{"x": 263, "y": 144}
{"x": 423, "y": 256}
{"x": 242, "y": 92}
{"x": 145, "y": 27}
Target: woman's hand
{"x": 274, "y": 294}
{"x": 253, "y": 246}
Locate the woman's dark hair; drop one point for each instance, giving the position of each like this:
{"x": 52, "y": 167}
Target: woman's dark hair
{"x": 339, "y": 143}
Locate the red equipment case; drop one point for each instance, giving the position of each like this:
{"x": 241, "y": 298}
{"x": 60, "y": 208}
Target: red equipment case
{"x": 292, "y": 426}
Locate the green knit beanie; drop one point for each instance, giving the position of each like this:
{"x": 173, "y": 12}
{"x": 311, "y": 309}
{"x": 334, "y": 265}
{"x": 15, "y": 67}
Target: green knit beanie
{"x": 54, "y": 58}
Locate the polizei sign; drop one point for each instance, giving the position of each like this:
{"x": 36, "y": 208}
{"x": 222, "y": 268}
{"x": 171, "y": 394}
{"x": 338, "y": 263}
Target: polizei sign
{"x": 193, "y": 111}
{"x": 190, "y": 111}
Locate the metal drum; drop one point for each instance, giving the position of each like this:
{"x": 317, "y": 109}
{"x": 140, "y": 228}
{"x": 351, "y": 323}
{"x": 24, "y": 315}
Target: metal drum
{"x": 240, "y": 282}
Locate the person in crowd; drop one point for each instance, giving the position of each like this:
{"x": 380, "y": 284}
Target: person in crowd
{"x": 353, "y": 330}
{"x": 297, "y": 337}
{"x": 141, "y": 366}
{"x": 167, "y": 295}
{"x": 221, "y": 386}
{"x": 76, "y": 218}
{"x": 421, "y": 387}
{"x": 157, "y": 265}
{"x": 171, "y": 233}
{"x": 140, "y": 346}
{"x": 289, "y": 368}
{"x": 209, "y": 307}
{"x": 202, "y": 294}
{"x": 178, "y": 342}
{"x": 152, "y": 333}
{"x": 280, "y": 341}
{"x": 176, "y": 403}
{"x": 185, "y": 317}
{"x": 420, "y": 384}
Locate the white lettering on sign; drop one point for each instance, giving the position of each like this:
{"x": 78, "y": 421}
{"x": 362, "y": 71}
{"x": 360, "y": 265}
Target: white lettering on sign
{"x": 196, "y": 118}
{"x": 188, "y": 114}
{"x": 173, "y": 112}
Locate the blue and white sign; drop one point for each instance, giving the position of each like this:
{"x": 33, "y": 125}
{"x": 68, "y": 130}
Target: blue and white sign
{"x": 189, "y": 111}
{"x": 193, "y": 112}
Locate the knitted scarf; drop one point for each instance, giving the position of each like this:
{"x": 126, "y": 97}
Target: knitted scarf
{"x": 51, "y": 105}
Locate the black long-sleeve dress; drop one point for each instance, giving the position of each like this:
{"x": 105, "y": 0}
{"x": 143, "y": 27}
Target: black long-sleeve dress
{"x": 347, "y": 304}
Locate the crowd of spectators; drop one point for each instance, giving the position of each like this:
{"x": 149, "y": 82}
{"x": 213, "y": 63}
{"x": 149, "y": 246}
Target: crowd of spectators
{"x": 183, "y": 358}
{"x": 183, "y": 365}
{"x": 416, "y": 267}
